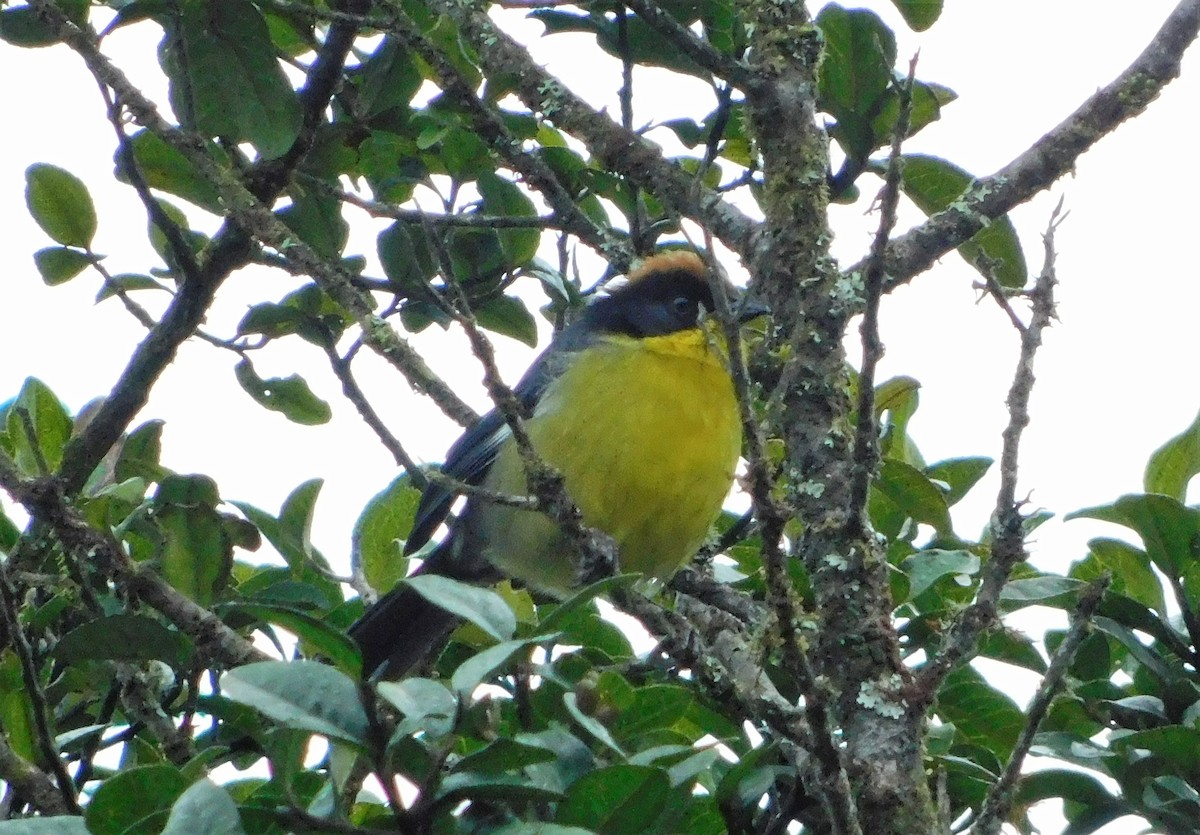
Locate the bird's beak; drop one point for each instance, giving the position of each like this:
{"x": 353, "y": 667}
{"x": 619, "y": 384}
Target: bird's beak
{"x": 748, "y": 309}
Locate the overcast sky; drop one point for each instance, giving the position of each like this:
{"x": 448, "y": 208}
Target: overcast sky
{"x": 1116, "y": 377}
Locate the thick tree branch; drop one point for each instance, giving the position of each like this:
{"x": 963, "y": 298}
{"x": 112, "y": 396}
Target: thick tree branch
{"x": 229, "y": 251}
{"x": 1052, "y": 156}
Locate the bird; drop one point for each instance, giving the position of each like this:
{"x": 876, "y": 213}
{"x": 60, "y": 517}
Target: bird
{"x": 634, "y": 405}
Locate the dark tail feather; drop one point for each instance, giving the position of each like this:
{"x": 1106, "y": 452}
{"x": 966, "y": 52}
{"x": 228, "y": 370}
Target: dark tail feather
{"x": 399, "y": 632}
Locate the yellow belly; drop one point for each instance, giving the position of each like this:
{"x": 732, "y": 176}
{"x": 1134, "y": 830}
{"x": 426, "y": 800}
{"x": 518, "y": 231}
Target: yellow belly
{"x": 646, "y": 434}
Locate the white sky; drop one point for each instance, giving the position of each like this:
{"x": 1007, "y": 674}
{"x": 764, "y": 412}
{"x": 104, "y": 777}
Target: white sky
{"x": 1113, "y": 379}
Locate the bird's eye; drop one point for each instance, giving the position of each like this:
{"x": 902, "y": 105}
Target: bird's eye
{"x": 683, "y": 305}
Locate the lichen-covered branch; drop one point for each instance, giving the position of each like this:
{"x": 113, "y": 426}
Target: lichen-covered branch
{"x": 1052, "y": 156}
{"x": 616, "y": 148}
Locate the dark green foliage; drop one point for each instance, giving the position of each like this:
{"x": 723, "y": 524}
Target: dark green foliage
{"x": 537, "y": 716}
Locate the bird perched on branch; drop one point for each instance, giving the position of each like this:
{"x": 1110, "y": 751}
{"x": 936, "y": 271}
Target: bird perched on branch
{"x": 634, "y": 405}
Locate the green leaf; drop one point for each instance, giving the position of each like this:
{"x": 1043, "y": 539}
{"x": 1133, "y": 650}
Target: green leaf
{"x": 504, "y": 755}
{"x": 591, "y": 724}
{"x": 856, "y": 74}
{"x": 405, "y": 254}
{"x": 301, "y": 695}
{"x": 1012, "y": 648}
{"x": 140, "y": 453}
{"x": 59, "y": 264}
{"x": 289, "y": 534}
{"x": 618, "y": 800}
{"x": 509, "y": 316}
{"x": 61, "y": 205}
{"x": 165, "y": 168}
{"x": 1170, "y": 532}
{"x": 481, "y": 606}
{"x": 1148, "y": 657}
{"x": 933, "y": 184}
{"x": 1131, "y": 569}
{"x": 1047, "y": 590}
{"x": 196, "y": 554}
{"x": 379, "y": 534}
{"x": 428, "y": 706}
{"x": 982, "y": 714}
{"x": 503, "y": 198}
{"x": 471, "y": 673}
{"x": 645, "y": 45}
{"x": 21, "y": 26}
{"x": 49, "y": 423}
{"x": 317, "y": 220}
{"x": 53, "y": 825}
{"x": 1174, "y": 746}
{"x": 318, "y": 636}
{"x": 204, "y": 809}
{"x": 924, "y": 568}
{"x": 128, "y": 799}
{"x": 654, "y": 707}
{"x": 290, "y": 395}
{"x": 919, "y": 14}
{"x": 389, "y": 78}
{"x": 195, "y": 241}
{"x": 911, "y": 491}
{"x": 16, "y": 709}
{"x": 224, "y": 78}
{"x": 124, "y": 637}
{"x": 1173, "y": 464}
{"x": 127, "y": 282}
{"x": 958, "y": 475}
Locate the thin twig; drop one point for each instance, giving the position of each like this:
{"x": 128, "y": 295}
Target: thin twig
{"x": 994, "y": 811}
{"x": 694, "y": 47}
{"x": 866, "y": 438}
{"x": 1008, "y": 537}
{"x": 36, "y": 695}
{"x": 614, "y": 147}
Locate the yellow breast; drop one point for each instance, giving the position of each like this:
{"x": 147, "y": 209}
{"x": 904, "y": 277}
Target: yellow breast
{"x": 646, "y": 434}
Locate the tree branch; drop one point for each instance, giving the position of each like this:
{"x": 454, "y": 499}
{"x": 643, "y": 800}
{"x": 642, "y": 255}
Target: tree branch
{"x": 1052, "y": 156}
{"x": 616, "y": 148}
{"x": 1008, "y": 534}
{"x": 866, "y": 438}
{"x": 998, "y": 802}
{"x": 44, "y": 501}
{"x": 490, "y": 127}
{"x": 30, "y": 783}
{"x": 694, "y": 47}
{"x": 229, "y": 250}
